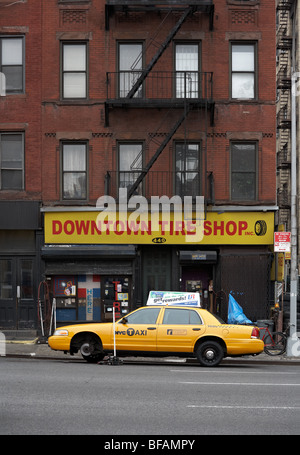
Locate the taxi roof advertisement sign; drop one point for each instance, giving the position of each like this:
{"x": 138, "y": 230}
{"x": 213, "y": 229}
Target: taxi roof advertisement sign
{"x": 174, "y": 298}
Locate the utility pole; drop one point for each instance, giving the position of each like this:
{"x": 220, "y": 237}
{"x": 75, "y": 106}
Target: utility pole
{"x": 292, "y": 345}
{"x": 293, "y": 342}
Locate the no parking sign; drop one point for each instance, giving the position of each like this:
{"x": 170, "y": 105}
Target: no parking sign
{"x": 282, "y": 242}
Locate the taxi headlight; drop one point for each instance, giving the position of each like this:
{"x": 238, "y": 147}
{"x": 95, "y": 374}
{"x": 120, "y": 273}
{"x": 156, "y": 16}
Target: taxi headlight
{"x": 61, "y": 332}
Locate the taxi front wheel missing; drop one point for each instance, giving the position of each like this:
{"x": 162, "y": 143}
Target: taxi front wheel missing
{"x": 210, "y": 353}
{"x": 90, "y": 353}
{"x": 89, "y": 347}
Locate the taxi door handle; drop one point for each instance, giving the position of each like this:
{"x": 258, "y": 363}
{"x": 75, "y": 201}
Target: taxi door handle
{"x": 196, "y": 329}
{"x": 151, "y": 328}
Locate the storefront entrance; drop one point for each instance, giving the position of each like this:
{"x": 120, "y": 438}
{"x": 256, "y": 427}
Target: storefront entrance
{"x": 115, "y": 293}
{"x": 17, "y": 310}
{"x": 196, "y": 279}
{"x": 197, "y": 274}
{"x": 91, "y": 298}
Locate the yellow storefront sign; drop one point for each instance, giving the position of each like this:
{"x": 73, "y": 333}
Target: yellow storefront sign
{"x": 231, "y": 228}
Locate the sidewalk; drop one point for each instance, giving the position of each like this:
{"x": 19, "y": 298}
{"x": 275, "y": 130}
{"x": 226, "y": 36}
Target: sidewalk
{"x": 39, "y": 349}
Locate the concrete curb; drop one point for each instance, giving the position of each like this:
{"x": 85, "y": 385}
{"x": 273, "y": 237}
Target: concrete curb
{"x": 38, "y": 349}
{"x": 35, "y": 341}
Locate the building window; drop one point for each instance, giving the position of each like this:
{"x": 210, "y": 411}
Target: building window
{"x": 74, "y": 171}
{"x": 12, "y": 161}
{"x": 187, "y": 169}
{"x": 130, "y": 66}
{"x": 12, "y": 63}
{"x": 243, "y": 67}
{"x": 74, "y": 70}
{"x": 187, "y": 70}
{"x": 130, "y": 164}
{"x": 243, "y": 171}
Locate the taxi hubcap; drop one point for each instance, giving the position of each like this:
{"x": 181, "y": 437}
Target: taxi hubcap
{"x": 86, "y": 349}
{"x": 209, "y": 354}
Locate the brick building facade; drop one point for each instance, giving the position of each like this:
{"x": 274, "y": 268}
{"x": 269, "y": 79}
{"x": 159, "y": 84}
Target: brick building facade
{"x": 158, "y": 98}
{"x": 21, "y": 160}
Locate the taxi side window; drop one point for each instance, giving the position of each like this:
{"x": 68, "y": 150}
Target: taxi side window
{"x": 144, "y": 316}
{"x": 180, "y": 316}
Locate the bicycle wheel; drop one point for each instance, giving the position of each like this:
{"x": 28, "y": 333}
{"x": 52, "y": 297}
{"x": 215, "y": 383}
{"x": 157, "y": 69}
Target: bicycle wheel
{"x": 275, "y": 345}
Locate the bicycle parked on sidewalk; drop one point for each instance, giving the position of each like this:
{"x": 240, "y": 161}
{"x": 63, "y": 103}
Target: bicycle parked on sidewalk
{"x": 275, "y": 344}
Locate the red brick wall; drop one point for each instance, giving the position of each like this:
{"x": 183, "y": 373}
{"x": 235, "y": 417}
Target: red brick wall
{"x": 22, "y": 112}
{"x": 50, "y": 120}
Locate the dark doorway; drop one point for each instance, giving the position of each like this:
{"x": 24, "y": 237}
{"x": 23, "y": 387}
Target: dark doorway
{"x": 17, "y": 309}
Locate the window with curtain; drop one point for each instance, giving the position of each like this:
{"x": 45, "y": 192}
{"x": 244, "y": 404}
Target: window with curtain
{"x": 130, "y": 164}
{"x": 243, "y": 71}
{"x": 130, "y": 66}
{"x": 74, "y": 171}
{"x": 12, "y": 161}
{"x": 74, "y": 70}
{"x": 243, "y": 171}
{"x": 187, "y": 68}
{"x": 187, "y": 169}
{"x": 12, "y": 63}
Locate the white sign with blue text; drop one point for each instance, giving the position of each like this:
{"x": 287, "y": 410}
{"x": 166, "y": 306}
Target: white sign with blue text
{"x": 174, "y": 298}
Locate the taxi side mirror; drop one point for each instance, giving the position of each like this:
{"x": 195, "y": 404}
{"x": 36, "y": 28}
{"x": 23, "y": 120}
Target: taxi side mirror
{"x": 124, "y": 320}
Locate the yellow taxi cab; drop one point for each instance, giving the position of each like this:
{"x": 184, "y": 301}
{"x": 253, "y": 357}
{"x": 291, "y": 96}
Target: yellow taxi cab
{"x": 160, "y": 331}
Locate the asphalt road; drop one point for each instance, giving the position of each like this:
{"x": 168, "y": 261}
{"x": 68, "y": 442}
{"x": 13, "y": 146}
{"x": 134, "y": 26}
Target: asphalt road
{"x": 56, "y": 397}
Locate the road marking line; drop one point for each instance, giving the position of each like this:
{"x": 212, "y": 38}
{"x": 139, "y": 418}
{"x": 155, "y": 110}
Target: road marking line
{"x": 242, "y": 407}
{"x": 234, "y": 372}
{"x": 240, "y": 383}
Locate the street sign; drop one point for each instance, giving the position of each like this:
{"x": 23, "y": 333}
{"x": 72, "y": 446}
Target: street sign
{"x": 282, "y": 242}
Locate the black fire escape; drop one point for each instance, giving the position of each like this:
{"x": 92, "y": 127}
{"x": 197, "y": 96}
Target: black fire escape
{"x": 155, "y": 89}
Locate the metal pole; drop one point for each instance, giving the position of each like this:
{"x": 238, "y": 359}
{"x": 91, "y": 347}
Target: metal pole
{"x": 50, "y": 326}
{"x": 292, "y": 350}
{"x": 114, "y": 322}
{"x": 41, "y": 317}
{"x": 54, "y": 304}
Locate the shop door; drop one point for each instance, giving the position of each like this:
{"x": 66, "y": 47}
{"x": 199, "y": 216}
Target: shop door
{"x": 17, "y": 293}
{"x": 115, "y": 293}
{"x": 196, "y": 279}
{"x": 157, "y": 266}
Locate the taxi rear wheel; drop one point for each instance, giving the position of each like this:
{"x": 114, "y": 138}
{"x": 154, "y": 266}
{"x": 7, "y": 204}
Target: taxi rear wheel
{"x": 210, "y": 353}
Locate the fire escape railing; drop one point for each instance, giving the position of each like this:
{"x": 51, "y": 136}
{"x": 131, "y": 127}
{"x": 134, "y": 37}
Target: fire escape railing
{"x": 160, "y": 86}
{"x": 159, "y": 53}
{"x": 144, "y": 88}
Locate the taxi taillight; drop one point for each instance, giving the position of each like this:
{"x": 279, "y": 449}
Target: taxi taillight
{"x": 255, "y": 332}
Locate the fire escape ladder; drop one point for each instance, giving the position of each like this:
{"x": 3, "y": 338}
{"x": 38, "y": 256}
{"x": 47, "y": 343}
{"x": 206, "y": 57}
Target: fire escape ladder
{"x": 160, "y": 51}
{"x": 158, "y": 152}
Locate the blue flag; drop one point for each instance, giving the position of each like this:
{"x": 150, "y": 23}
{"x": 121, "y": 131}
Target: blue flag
{"x": 235, "y": 313}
